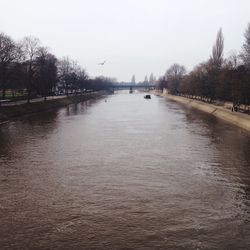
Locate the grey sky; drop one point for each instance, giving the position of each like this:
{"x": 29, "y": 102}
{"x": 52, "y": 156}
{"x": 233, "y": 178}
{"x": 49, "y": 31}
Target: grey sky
{"x": 134, "y": 36}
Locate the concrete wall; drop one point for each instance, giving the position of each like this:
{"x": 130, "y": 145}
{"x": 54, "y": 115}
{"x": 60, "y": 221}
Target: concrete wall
{"x": 236, "y": 118}
{"x": 11, "y": 112}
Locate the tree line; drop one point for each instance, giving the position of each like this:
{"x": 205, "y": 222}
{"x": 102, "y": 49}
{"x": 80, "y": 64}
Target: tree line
{"x": 30, "y": 69}
{"x": 218, "y": 78}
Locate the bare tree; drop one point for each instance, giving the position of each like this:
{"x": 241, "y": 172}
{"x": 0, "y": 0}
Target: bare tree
{"x": 46, "y": 71}
{"x": 246, "y": 48}
{"x": 82, "y": 79}
{"x": 31, "y": 48}
{"x": 9, "y": 52}
{"x": 133, "y": 79}
{"x": 175, "y": 71}
{"x": 71, "y": 75}
{"x": 151, "y": 78}
{"x": 174, "y": 75}
{"x": 233, "y": 61}
{"x": 65, "y": 73}
{"x": 217, "y": 52}
{"x": 161, "y": 83}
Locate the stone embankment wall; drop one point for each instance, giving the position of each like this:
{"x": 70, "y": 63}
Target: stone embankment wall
{"x": 239, "y": 119}
{"x": 11, "y": 112}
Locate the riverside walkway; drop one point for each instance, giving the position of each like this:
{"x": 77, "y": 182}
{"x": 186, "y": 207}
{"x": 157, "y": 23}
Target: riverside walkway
{"x": 8, "y": 102}
{"x": 224, "y": 112}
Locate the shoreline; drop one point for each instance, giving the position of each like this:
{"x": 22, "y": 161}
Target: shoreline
{"x": 238, "y": 119}
{"x": 8, "y": 113}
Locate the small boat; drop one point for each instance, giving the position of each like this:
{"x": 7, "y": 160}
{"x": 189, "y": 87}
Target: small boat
{"x": 147, "y": 96}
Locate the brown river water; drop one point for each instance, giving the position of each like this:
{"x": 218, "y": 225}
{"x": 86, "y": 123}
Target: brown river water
{"x": 125, "y": 173}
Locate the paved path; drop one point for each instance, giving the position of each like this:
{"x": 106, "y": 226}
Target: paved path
{"x": 41, "y": 99}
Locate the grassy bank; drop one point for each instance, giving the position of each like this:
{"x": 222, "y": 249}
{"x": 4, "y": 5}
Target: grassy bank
{"x": 235, "y": 118}
{"x": 10, "y": 112}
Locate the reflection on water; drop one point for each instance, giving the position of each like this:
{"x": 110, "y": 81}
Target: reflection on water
{"x": 128, "y": 173}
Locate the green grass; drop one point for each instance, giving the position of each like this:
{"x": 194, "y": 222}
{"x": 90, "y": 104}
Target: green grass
{"x": 8, "y": 94}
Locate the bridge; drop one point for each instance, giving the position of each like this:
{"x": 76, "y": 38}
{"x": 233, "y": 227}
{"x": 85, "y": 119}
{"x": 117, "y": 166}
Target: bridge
{"x": 133, "y": 86}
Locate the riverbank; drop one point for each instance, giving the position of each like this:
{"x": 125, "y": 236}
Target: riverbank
{"x": 11, "y": 112}
{"x": 238, "y": 119}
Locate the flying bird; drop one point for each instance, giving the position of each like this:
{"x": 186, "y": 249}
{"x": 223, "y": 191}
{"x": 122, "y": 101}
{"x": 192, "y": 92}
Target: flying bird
{"x": 102, "y": 63}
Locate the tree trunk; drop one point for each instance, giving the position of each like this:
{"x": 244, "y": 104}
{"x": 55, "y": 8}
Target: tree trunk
{"x": 29, "y": 83}
{"x": 3, "y": 80}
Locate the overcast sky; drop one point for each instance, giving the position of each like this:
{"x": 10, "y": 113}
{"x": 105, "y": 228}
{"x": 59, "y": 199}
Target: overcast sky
{"x": 133, "y": 36}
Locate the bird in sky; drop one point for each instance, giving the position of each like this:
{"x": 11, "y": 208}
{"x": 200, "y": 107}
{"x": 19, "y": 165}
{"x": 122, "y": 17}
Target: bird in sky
{"x": 102, "y": 63}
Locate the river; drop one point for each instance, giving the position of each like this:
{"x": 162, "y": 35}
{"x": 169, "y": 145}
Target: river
{"x": 123, "y": 172}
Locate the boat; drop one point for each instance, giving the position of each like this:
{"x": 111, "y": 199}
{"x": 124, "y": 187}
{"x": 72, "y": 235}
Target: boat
{"x": 147, "y": 96}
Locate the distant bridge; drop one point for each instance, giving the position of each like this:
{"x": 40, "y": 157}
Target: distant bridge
{"x": 134, "y": 86}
